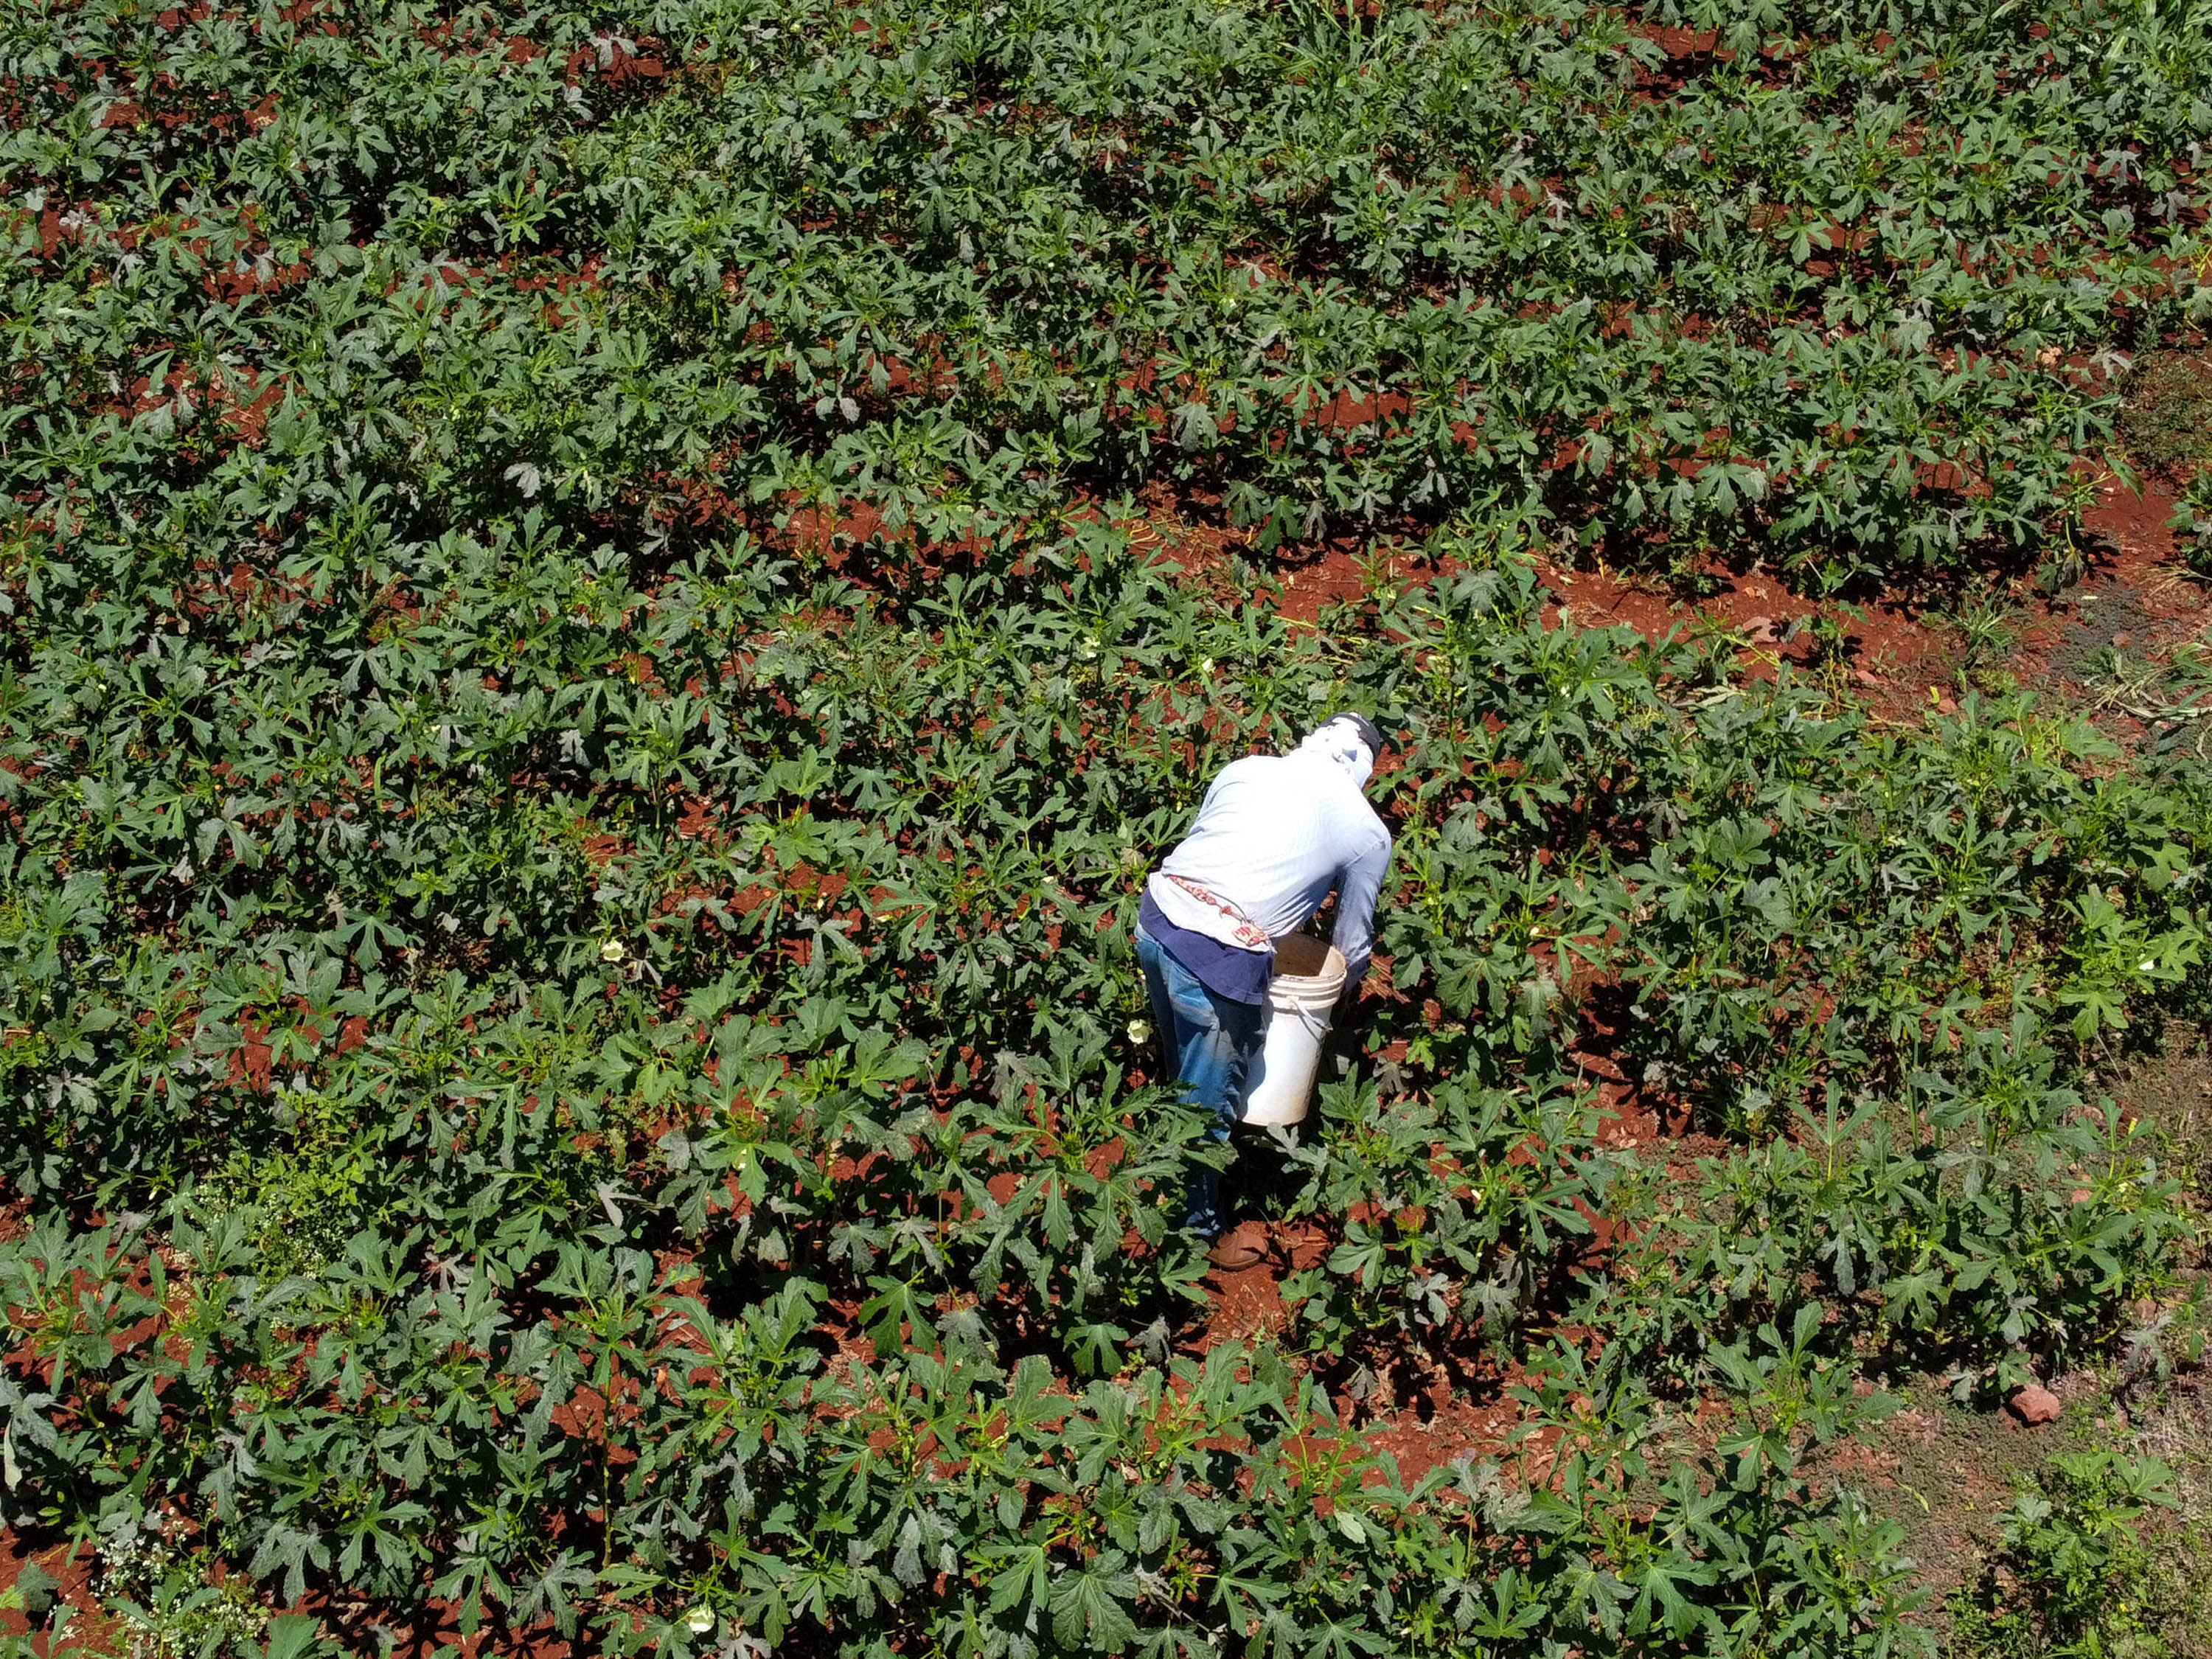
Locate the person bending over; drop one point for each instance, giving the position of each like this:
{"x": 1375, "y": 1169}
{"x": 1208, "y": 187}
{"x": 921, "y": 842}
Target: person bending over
{"x": 1276, "y": 835}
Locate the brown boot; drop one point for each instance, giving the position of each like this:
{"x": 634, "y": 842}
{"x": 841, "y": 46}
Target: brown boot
{"x": 1244, "y": 1245}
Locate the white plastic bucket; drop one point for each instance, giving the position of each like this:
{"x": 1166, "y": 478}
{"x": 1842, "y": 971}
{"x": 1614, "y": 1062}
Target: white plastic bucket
{"x": 1308, "y": 978}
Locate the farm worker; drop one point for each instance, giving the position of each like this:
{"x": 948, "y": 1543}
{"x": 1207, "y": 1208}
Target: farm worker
{"x": 1275, "y": 836}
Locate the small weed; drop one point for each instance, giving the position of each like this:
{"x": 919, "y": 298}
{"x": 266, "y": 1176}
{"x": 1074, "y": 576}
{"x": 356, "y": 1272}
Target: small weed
{"x": 166, "y": 1600}
{"x": 2165, "y": 415}
{"x": 2072, "y": 1577}
{"x": 307, "y": 1198}
{"x": 2192, "y": 523}
{"x": 1988, "y": 626}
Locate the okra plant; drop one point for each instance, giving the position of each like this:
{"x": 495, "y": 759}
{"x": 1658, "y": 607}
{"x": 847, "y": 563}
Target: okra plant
{"x": 607, "y": 605}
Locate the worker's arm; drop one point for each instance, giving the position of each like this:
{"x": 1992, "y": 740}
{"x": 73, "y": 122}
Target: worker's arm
{"x": 1358, "y": 884}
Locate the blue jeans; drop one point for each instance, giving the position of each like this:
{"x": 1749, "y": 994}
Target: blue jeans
{"x": 1208, "y": 1041}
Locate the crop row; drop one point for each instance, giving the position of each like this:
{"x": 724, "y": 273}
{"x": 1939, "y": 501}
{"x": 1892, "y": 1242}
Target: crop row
{"x": 818, "y": 989}
{"x": 1849, "y": 285}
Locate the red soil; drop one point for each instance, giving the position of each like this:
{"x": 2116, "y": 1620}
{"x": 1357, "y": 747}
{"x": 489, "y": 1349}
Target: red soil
{"x": 1904, "y": 657}
{"x": 72, "y": 1569}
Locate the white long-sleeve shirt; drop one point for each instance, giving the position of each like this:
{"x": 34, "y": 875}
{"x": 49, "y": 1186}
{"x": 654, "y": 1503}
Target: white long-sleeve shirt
{"x": 1275, "y": 834}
